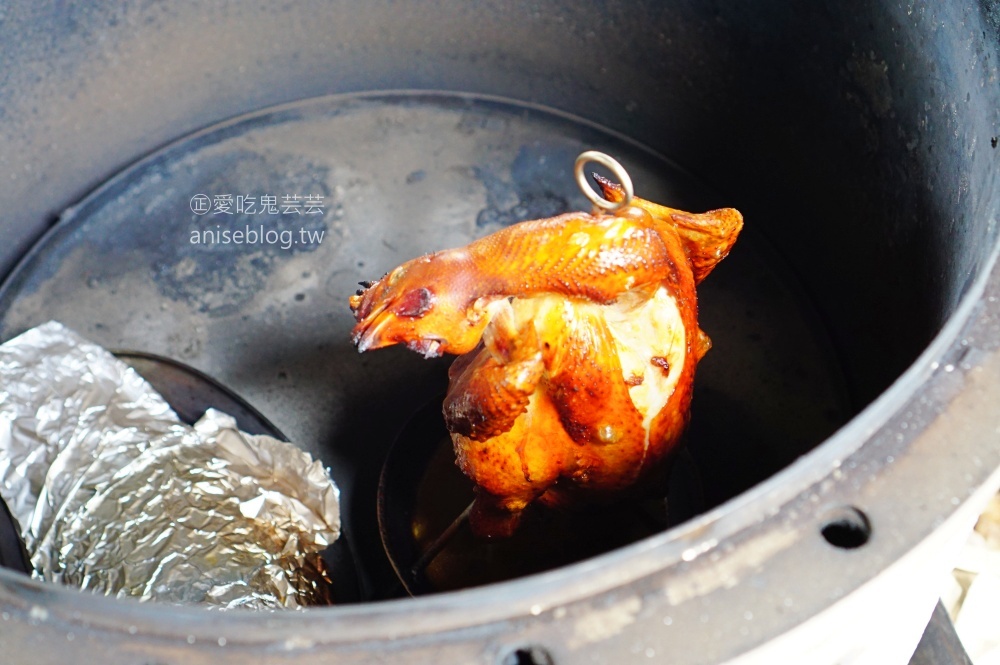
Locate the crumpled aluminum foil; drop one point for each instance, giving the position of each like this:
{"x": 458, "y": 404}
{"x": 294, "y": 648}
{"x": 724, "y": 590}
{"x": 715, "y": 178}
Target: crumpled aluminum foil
{"x": 115, "y": 494}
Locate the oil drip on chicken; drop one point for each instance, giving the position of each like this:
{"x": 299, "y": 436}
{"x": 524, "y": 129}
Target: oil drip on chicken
{"x": 577, "y": 339}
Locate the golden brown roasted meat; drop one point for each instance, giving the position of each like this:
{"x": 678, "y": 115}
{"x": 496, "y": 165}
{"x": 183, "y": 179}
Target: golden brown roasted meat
{"x": 578, "y": 338}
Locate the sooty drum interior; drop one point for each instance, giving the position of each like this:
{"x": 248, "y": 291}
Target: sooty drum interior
{"x": 861, "y": 173}
{"x": 859, "y": 140}
{"x": 235, "y": 250}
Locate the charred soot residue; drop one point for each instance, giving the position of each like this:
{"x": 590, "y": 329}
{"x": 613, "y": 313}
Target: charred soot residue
{"x": 537, "y": 185}
{"x": 264, "y": 208}
{"x": 530, "y": 206}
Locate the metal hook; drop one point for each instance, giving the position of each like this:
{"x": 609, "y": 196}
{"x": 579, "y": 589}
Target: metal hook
{"x": 616, "y": 169}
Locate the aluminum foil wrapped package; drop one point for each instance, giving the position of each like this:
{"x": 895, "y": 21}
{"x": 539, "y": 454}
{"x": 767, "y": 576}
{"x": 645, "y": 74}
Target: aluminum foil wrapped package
{"x": 115, "y": 494}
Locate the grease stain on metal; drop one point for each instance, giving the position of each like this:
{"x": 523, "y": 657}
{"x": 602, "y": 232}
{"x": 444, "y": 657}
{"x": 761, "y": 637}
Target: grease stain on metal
{"x": 604, "y": 623}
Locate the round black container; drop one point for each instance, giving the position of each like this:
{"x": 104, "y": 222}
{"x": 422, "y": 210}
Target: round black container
{"x": 13, "y": 556}
{"x": 859, "y": 141}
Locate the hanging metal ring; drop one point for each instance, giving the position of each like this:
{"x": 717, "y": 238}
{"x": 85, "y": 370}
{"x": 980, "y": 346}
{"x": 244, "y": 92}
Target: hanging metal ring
{"x": 616, "y": 169}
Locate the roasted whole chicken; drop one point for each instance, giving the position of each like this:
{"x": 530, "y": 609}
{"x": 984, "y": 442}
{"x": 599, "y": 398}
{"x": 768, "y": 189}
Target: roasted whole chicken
{"x": 577, "y": 339}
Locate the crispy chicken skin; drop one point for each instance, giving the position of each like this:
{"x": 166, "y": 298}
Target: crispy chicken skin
{"x": 578, "y": 339}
